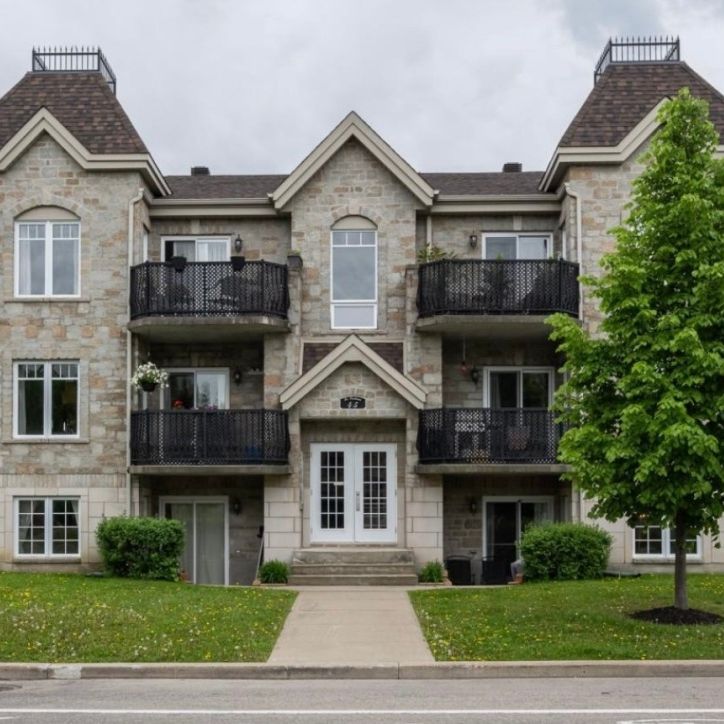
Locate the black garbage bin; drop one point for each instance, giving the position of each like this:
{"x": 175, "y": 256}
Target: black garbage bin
{"x": 459, "y": 570}
{"x": 495, "y": 572}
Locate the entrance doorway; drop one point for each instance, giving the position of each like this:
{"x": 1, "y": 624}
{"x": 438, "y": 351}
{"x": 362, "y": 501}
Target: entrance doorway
{"x": 354, "y": 493}
{"x": 505, "y": 519}
{"x": 206, "y": 525}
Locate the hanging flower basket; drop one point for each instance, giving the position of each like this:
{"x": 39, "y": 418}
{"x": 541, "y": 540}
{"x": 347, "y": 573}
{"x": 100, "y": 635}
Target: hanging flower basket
{"x": 238, "y": 263}
{"x": 148, "y": 377}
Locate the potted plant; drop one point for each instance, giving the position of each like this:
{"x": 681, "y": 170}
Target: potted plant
{"x": 148, "y": 377}
{"x": 178, "y": 263}
{"x": 294, "y": 259}
{"x": 238, "y": 263}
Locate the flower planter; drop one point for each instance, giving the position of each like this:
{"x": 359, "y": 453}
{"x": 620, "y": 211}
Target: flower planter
{"x": 178, "y": 263}
{"x": 149, "y": 386}
{"x": 238, "y": 263}
{"x": 294, "y": 261}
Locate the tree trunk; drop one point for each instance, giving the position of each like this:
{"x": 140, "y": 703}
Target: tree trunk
{"x": 681, "y": 595}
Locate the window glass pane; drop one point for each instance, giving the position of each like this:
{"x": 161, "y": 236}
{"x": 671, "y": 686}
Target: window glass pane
{"x": 354, "y": 315}
{"x": 503, "y": 389}
{"x": 181, "y": 390}
{"x": 31, "y": 527}
{"x": 500, "y": 247}
{"x": 65, "y": 527}
{"x": 211, "y": 390}
{"x": 691, "y": 543}
{"x": 354, "y": 273}
{"x": 212, "y": 250}
{"x": 533, "y": 247}
{"x": 339, "y": 238}
{"x": 30, "y": 407}
{"x": 648, "y": 540}
{"x": 367, "y": 238}
{"x": 31, "y": 266}
{"x": 65, "y": 265}
{"x": 185, "y": 248}
{"x": 64, "y": 405}
{"x": 535, "y": 389}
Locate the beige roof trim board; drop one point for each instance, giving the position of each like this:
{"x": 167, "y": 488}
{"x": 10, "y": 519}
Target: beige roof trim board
{"x": 566, "y": 155}
{"x": 352, "y": 126}
{"x": 45, "y": 122}
{"x": 353, "y": 349}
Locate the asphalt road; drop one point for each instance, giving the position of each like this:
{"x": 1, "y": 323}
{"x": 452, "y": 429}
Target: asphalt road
{"x": 517, "y": 701}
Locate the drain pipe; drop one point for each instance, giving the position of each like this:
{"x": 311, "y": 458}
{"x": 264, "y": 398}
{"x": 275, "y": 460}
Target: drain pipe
{"x": 579, "y": 245}
{"x": 129, "y": 356}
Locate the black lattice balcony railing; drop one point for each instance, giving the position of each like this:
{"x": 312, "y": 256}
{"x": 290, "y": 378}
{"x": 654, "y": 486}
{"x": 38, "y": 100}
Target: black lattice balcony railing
{"x": 209, "y": 289}
{"x": 209, "y": 437}
{"x": 485, "y": 435}
{"x": 497, "y": 286}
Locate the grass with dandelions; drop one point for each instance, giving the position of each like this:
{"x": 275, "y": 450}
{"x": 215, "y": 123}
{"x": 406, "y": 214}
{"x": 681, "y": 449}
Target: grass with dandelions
{"x": 73, "y": 618}
{"x": 566, "y": 621}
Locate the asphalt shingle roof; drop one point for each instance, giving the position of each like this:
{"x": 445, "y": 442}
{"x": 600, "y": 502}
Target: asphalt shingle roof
{"x": 81, "y": 101}
{"x": 483, "y": 184}
{"x": 626, "y": 92}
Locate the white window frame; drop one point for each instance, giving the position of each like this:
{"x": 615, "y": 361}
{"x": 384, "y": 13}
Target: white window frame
{"x": 667, "y": 539}
{"x": 48, "y": 289}
{"x": 195, "y": 370}
{"x": 196, "y": 239}
{"x": 374, "y": 303}
{"x": 518, "y": 236}
{"x": 48, "y": 527}
{"x": 47, "y": 400}
{"x": 550, "y": 371}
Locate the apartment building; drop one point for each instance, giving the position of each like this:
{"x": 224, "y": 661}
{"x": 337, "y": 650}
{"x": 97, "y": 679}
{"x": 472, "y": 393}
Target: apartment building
{"x": 337, "y": 396}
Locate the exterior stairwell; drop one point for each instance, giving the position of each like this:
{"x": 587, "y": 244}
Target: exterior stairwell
{"x": 340, "y": 566}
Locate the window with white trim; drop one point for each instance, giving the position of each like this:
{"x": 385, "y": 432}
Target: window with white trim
{"x": 46, "y": 399}
{"x": 197, "y": 389}
{"x": 47, "y": 527}
{"x": 653, "y": 541}
{"x": 518, "y": 387}
{"x": 47, "y": 258}
{"x": 197, "y": 249}
{"x": 354, "y": 279}
{"x": 517, "y": 246}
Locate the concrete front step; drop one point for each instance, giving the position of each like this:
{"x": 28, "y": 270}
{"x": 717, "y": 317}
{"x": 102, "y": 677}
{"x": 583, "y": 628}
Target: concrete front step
{"x": 354, "y": 579}
{"x": 353, "y": 554}
{"x": 334, "y": 569}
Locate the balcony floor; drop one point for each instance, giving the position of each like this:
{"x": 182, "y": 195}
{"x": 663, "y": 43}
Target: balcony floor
{"x": 499, "y": 326}
{"x": 491, "y": 468}
{"x": 206, "y": 329}
{"x": 218, "y": 470}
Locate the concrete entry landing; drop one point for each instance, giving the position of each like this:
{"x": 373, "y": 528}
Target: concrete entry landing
{"x": 348, "y": 626}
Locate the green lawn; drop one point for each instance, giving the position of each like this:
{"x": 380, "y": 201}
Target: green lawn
{"x": 572, "y": 620}
{"x": 72, "y": 618}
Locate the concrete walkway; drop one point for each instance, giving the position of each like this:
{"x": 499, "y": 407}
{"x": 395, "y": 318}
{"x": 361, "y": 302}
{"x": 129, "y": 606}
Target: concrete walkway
{"x": 351, "y": 626}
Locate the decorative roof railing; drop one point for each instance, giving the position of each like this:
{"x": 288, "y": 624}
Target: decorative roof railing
{"x": 637, "y": 50}
{"x": 64, "y": 60}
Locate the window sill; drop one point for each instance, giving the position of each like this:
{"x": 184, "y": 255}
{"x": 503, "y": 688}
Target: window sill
{"x": 20, "y": 558}
{"x": 44, "y": 300}
{"x": 46, "y": 441}
{"x": 660, "y": 560}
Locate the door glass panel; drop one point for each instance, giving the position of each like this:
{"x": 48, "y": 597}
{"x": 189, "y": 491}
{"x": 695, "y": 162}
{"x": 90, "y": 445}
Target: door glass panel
{"x": 211, "y": 391}
{"x": 212, "y": 250}
{"x": 181, "y": 390}
{"x": 186, "y": 249}
{"x": 533, "y": 514}
{"x": 331, "y": 491}
{"x": 532, "y": 247}
{"x": 374, "y": 490}
{"x": 501, "y": 526}
{"x": 184, "y": 512}
{"x": 503, "y": 389}
{"x": 500, "y": 247}
{"x": 210, "y": 543}
{"x": 535, "y": 389}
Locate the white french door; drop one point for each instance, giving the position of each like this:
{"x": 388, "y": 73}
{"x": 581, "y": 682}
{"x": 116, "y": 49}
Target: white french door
{"x": 354, "y": 493}
{"x": 205, "y": 520}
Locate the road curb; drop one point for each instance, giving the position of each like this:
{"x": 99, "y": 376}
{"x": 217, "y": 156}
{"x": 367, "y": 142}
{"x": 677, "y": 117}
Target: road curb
{"x": 440, "y": 670}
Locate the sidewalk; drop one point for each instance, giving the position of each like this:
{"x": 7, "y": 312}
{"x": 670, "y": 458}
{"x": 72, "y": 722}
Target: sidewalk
{"x": 361, "y": 625}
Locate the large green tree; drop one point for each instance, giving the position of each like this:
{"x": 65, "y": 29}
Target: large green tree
{"x": 644, "y": 395}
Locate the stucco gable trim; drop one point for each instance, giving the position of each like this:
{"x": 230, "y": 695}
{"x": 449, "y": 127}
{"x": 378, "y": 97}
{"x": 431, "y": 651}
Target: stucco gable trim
{"x": 352, "y": 126}
{"x": 353, "y": 349}
{"x": 45, "y": 122}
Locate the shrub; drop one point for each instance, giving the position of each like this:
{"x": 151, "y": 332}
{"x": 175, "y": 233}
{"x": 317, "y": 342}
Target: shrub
{"x": 432, "y": 572}
{"x": 564, "y": 552}
{"x": 141, "y": 547}
{"x": 274, "y": 572}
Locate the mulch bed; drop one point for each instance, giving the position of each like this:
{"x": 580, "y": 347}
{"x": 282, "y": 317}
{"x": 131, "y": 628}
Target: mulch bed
{"x": 677, "y": 616}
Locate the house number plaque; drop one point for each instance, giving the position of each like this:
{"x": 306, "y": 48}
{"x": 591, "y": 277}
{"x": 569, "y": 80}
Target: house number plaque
{"x": 352, "y": 403}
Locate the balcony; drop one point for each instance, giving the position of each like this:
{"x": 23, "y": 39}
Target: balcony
{"x": 218, "y": 299}
{"x": 473, "y": 440}
{"x": 223, "y": 442}
{"x": 508, "y": 298}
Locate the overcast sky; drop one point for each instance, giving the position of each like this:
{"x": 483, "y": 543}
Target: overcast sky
{"x": 247, "y": 86}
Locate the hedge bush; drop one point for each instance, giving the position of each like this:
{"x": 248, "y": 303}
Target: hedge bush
{"x": 564, "y": 552}
{"x": 274, "y": 572}
{"x": 432, "y": 572}
{"x": 141, "y": 547}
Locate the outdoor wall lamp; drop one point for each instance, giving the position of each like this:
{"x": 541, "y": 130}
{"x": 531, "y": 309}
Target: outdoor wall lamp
{"x": 236, "y": 506}
{"x": 473, "y": 505}
{"x": 238, "y": 243}
{"x": 237, "y": 376}
{"x": 475, "y": 375}
{"x": 473, "y": 240}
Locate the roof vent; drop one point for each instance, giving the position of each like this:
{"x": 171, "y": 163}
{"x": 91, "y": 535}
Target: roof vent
{"x": 512, "y": 167}
{"x": 73, "y": 60}
{"x": 637, "y": 50}
{"x": 199, "y": 170}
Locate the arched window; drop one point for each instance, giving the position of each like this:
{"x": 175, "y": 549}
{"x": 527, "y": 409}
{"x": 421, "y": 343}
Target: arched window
{"x": 354, "y": 274}
{"x": 47, "y": 253}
